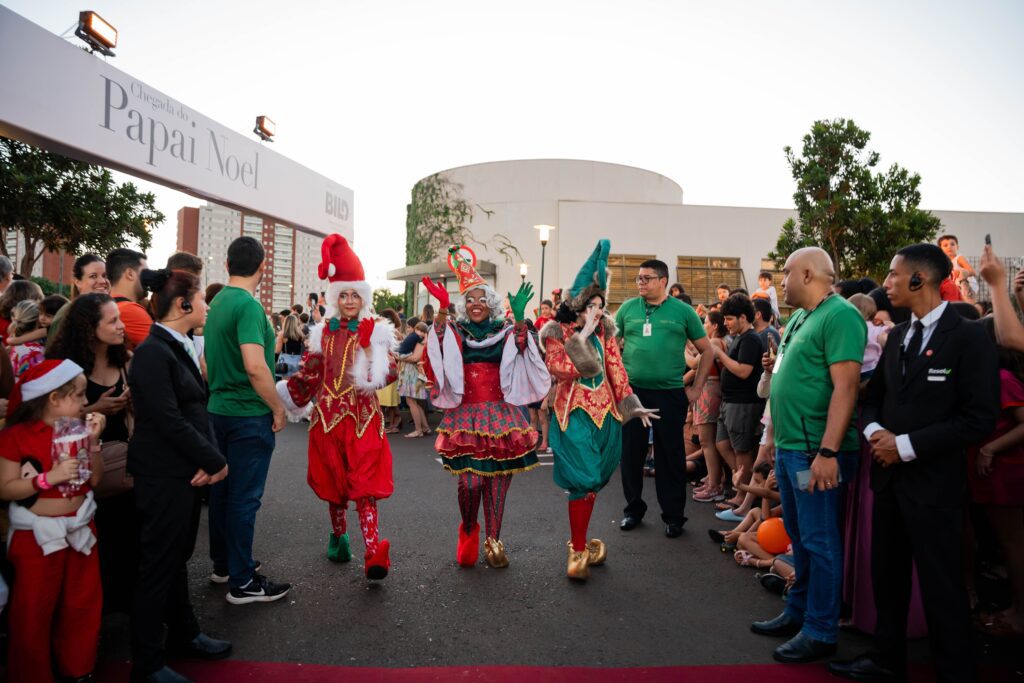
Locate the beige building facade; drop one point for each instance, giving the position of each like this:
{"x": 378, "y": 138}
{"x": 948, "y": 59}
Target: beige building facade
{"x": 644, "y": 216}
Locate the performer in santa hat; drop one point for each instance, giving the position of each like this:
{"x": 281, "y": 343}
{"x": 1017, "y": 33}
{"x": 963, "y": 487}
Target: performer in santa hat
{"x": 483, "y": 366}
{"x": 593, "y": 400}
{"x": 349, "y": 357}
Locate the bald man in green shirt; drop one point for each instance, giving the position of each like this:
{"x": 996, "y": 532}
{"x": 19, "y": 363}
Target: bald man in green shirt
{"x": 655, "y": 328}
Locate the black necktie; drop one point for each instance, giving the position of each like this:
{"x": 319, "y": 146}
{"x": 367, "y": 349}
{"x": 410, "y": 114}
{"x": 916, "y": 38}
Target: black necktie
{"x": 914, "y": 347}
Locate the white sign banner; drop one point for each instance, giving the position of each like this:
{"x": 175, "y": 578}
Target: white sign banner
{"x": 61, "y": 98}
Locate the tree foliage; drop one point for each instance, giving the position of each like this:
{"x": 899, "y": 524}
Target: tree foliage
{"x": 858, "y": 215}
{"x": 50, "y": 287}
{"x": 385, "y": 298}
{"x": 59, "y": 203}
{"x": 439, "y": 216}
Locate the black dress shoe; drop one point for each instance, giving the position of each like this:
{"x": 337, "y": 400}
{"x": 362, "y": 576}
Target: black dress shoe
{"x": 673, "y": 530}
{"x": 782, "y": 625}
{"x": 204, "y": 647}
{"x": 863, "y": 668}
{"x": 164, "y": 675}
{"x": 801, "y": 649}
{"x": 629, "y": 522}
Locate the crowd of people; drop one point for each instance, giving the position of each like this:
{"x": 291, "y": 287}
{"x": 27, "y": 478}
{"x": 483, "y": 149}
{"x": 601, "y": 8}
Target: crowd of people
{"x": 875, "y": 430}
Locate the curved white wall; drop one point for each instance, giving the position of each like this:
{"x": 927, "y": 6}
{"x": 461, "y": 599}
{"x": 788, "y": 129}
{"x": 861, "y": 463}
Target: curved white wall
{"x": 564, "y": 179}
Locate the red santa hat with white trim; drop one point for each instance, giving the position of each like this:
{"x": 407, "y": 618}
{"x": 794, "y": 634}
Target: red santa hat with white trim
{"x": 40, "y": 380}
{"x": 343, "y": 270}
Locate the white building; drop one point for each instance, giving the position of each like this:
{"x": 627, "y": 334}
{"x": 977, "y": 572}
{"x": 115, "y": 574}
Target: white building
{"x": 643, "y": 214}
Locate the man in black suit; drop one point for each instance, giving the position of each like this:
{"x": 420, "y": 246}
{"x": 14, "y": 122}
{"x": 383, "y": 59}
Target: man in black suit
{"x": 936, "y": 390}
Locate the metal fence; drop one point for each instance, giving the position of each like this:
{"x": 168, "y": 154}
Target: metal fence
{"x": 1013, "y": 265}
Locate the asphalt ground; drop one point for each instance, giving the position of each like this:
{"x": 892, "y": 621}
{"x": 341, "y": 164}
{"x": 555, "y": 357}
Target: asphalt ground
{"x": 657, "y": 601}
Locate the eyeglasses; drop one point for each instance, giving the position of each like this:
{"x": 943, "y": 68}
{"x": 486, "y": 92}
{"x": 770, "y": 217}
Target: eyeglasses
{"x": 644, "y": 279}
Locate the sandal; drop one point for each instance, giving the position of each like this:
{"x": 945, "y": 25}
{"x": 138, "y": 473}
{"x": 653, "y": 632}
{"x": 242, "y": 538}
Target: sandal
{"x": 391, "y": 430}
{"x": 746, "y": 559}
{"x": 717, "y": 536}
{"x": 726, "y": 505}
{"x": 414, "y": 435}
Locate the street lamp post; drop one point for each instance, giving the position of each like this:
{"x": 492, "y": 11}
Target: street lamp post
{"x": 545, "y": 235}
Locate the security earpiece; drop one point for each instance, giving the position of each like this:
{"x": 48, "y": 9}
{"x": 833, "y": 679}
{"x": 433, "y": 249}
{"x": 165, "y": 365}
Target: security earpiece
{"x": 916, "y": 282}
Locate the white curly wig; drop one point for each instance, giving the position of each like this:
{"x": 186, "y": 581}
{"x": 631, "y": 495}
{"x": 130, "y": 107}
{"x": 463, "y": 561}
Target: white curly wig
{"x": 493, "y": 303}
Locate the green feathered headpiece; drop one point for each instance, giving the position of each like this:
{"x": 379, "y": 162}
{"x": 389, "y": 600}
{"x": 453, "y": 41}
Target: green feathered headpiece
{"x": 592, "y": 279}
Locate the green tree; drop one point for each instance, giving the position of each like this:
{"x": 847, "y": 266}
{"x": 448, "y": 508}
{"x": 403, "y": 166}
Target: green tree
{"x": 62, "y": 204}
{"x": 50, "y": 287}
{"x": 385, "y": 298}
{"x": 858, "y": 215}
{"x": 439, "y": 216}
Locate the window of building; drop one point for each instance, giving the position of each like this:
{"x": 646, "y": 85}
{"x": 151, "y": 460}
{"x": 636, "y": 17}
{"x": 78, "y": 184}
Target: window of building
{"x": 701, "y": 275}
{"x": 622, "y": 281}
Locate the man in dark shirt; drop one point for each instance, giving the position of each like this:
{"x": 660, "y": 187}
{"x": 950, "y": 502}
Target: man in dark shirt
{"x": 739, "y": 419}
{"x": 763, "y": 320}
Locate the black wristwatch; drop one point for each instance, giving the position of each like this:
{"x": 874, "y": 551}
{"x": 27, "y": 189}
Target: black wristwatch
{"x": 827, "y": 453}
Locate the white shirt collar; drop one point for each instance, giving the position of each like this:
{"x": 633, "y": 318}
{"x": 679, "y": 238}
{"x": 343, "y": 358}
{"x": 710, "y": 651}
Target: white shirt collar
{"x": 932, "y": 317}
{"x": 174, "y": 333}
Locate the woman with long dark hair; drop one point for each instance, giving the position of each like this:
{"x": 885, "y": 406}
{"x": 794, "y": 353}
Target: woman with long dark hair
{"x": 92, "y": 335}
{"x": 88, "y": 276}
{"x": 172, "y": 454}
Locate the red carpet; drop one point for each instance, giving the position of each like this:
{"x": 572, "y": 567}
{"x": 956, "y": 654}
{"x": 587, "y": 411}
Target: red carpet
{"x": 230, "y": 671}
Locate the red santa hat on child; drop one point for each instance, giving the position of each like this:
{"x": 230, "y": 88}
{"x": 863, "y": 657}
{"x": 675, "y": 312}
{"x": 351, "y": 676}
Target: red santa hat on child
{"x": 40, "y": 380}
{"x": 341, "y": 267}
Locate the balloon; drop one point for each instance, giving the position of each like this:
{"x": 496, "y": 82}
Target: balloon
{"x": 772, "y": 536}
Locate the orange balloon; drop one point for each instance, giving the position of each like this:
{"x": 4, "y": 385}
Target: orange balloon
{"x": 772, "y": 536}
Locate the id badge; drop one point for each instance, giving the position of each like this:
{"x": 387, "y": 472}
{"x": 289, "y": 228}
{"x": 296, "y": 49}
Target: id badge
{"x": 778, "y": 363}
{"x": 647, "y": 329}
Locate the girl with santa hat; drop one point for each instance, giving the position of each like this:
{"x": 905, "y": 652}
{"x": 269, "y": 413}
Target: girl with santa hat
{"x": 349, "y": 357}
{"x": 483, "y": 367}
{"x": 57, "y": 599}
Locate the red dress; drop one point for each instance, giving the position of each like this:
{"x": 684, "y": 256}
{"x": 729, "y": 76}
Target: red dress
{"x": 349, "y": 458}
{"x": 1005, "y": 484}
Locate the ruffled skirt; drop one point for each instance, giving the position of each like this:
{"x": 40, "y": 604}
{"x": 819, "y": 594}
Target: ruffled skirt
{"x": 488, "y": 438}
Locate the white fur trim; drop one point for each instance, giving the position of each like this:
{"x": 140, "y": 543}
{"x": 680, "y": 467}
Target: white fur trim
{"x": 295, "y": 413}
{"x": 373, "y": 364}
{"x": 334, "y": 289}
{"x": 315, "y": 338}
{"x": 51, "y": 381}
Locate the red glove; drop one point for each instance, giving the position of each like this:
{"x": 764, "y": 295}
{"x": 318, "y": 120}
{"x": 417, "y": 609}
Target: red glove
{"x": 439, "y": 292}
{"x": 365, "y": 331}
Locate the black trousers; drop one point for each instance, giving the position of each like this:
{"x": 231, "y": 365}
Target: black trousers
{"x": 168, "y": 511}
{"x": 904, "y": 534}
{"x": 669, "y": 455}
{"x": 117, "y": 534}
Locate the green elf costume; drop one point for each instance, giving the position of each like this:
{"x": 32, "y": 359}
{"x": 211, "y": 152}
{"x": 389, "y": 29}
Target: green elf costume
{"x": 592, "y": 401}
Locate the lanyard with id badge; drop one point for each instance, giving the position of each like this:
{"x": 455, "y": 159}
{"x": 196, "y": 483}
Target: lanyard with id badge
{"x": 648, "y": 327}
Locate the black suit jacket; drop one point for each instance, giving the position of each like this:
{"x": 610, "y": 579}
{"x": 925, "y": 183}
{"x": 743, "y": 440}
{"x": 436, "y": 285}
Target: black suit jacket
{"x": 173, "y": 436}
{"x": 948, "y": 400}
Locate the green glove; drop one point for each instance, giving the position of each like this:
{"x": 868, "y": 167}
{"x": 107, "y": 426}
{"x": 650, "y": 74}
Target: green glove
{"x": 519, "y": 301}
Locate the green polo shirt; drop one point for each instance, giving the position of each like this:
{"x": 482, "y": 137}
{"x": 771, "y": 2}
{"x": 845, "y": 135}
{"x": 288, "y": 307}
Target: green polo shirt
{"x": 657, "y": 361}
{"x": 235, "y": 318}
{"x": 802, "y": 387}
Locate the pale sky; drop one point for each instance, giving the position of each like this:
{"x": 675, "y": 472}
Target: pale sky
{"x": 378, "y": 94}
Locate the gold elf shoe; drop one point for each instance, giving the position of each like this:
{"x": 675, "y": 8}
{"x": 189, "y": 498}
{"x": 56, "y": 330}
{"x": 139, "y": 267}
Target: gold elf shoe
{"x": 494, "y": 550}
{"x": 578, "y": 562}
{"x": 598, "y": 552}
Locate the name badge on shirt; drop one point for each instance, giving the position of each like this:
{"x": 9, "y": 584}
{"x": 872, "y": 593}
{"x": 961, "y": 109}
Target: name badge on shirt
{"x": 647, "y": 329}
{"x": 778, "y": 363}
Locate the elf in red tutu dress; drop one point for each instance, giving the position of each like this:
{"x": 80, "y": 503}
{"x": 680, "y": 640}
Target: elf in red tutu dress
{"x": 348, "y": 358}
{"x": 483, "y": 367}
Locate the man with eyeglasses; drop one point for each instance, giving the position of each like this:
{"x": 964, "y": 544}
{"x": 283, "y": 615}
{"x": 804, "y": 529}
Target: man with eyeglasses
{"x": 655, "y": 328}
